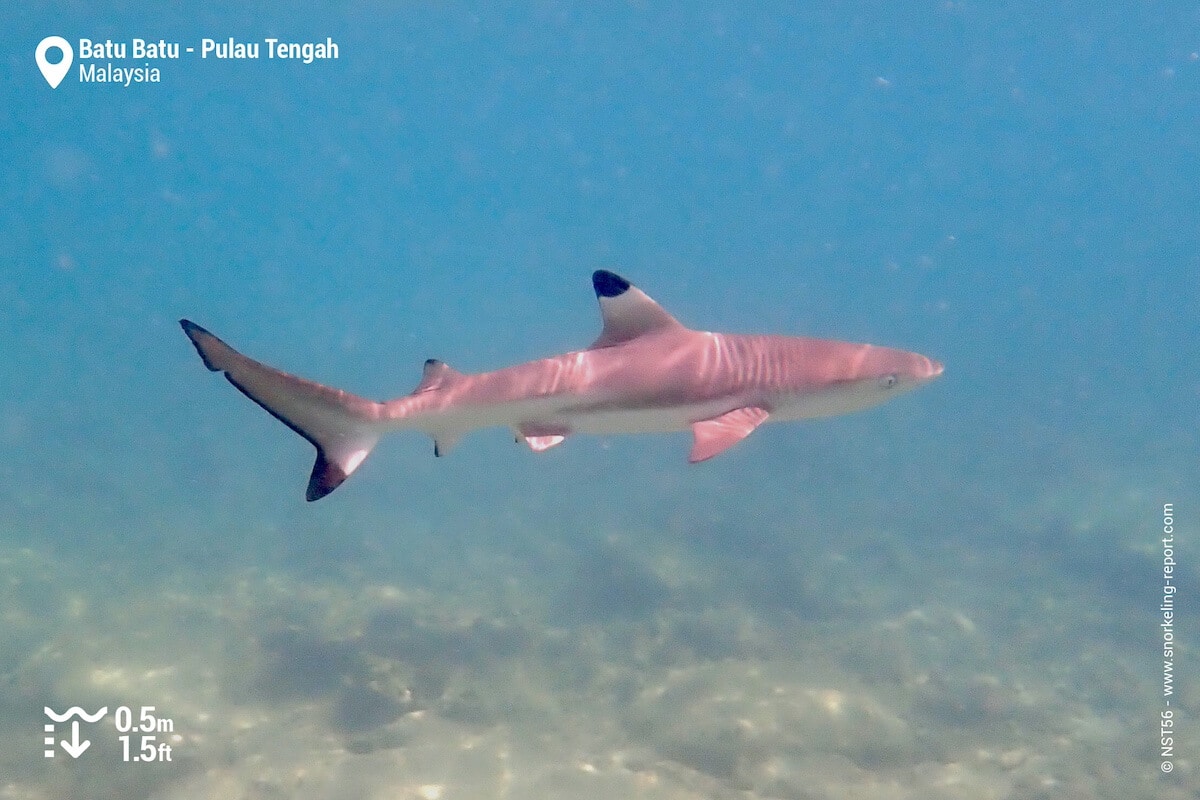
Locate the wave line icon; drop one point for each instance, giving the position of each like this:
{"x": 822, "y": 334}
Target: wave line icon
{"x": 75, "y": 711}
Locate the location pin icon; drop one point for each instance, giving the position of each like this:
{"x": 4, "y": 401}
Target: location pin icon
{"x": 54, "y": 73}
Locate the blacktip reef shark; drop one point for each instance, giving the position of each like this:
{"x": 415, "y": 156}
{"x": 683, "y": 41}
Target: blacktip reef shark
{"x": 647, "y": 373}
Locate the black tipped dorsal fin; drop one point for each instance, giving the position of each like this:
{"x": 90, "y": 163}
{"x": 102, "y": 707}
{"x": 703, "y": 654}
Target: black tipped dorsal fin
{"x": 626, "y": 310}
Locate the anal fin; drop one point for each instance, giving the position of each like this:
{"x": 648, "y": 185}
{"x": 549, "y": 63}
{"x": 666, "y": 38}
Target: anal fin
{"x": 714, "y": 436}
{"x": 443, "y": 443}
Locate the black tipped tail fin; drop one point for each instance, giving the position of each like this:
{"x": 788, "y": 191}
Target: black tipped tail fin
{"x": 205, "y": 343}
{"x": 343, "y": 427}
{"x": 326, "y": 476}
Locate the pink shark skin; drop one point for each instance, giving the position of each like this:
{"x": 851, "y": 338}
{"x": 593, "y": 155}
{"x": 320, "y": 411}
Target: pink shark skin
{"x": 646, "y": 373}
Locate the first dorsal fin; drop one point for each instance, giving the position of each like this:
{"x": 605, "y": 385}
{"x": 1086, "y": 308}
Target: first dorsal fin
{"x": 627, "y": 311}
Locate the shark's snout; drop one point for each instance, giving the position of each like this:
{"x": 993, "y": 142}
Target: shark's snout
{"x": 932, "y": 369}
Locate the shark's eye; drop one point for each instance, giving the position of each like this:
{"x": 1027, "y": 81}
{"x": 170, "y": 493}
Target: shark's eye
{"x": 888, "y": 381}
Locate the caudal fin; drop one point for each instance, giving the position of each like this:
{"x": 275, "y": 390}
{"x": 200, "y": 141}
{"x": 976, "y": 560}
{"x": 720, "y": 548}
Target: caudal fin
{"x": 343, "y": 427}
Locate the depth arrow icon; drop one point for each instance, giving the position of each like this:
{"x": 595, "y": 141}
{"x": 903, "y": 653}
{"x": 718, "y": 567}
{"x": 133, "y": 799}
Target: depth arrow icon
{"x": 75, "y": 748}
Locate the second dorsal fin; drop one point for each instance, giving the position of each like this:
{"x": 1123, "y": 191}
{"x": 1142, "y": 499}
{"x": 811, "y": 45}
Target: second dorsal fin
{"x": 436, "y": 375}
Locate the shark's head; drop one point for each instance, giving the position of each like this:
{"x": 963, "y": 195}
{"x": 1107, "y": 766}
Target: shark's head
{"x": 884, "y": 373}
{"x": 899, "y": 370}
{"x": 853, "y": 377}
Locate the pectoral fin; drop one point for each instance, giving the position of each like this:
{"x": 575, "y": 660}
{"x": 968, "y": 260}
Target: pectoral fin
{"x": 715, "y": 436}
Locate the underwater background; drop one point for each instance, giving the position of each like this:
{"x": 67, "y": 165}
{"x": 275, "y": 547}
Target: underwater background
{"x": 956, "y": 595}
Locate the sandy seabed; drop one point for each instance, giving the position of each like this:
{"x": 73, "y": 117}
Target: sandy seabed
{"x": 628, "y": 670}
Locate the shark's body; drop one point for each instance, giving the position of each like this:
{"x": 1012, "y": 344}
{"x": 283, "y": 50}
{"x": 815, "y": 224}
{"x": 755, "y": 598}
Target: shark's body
{"x": 646, "y": 373}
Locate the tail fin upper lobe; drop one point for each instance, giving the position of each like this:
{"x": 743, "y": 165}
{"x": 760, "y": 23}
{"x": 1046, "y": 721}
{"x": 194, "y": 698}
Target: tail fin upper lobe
{"x": 343, "y": 427}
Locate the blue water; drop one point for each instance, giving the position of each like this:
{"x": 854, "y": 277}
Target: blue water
{"x": 956, "y": 594}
